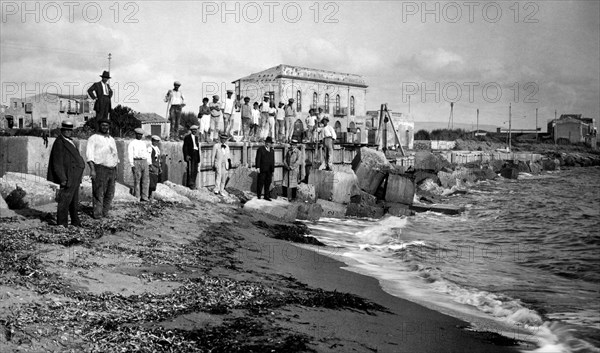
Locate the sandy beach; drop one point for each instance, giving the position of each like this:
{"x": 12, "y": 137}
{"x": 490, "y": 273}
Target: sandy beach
{"x": 207, "y": 278}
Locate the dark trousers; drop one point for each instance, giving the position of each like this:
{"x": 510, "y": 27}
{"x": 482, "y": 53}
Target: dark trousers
{"x": 103, "y": 108}
{"x": 192, "y": 174}
{"x": 264, "y": 182}
{"x": 68, "y": 203}
{"x": 103, "y": 190}
{"x": 175, "y": 119}
{"x": 284, "y": 190}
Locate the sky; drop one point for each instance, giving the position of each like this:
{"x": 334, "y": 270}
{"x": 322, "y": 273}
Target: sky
{"x": 414, "y": 55}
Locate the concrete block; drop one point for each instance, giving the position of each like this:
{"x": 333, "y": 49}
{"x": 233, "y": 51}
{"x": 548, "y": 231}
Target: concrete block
{"x": 430, "y": 161}
{"x": 279, "y": 209}
{"x": 306, "y": 192}
{"x": 535, "y": 167}
{"x": 370, "y": 167}
{"x": 122, "y": 192}
{"x": 165, "y": 193}
{"x": 549, "y": 164}
{"x": 309, "y": 211}
{"x": 364, "y": 198}
{"x": 364, "y": 211}
{"x": 200, "y": 194}
{"x": 332, "y": 209}
{"x": 398, "y": 209}
{"x": 334, "y": 186}
{"x": 400, "y": 188}
{"x": 39, "y": 191}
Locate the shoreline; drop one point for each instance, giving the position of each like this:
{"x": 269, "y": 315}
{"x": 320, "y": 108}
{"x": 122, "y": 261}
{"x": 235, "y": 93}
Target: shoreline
{"x": 301, "y": 300}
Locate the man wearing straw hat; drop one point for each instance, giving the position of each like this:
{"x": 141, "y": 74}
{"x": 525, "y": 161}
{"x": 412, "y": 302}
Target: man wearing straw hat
{"x": 139, "y": 160}
{"x": 102, "y": 93}
{"x": 191, "y": 154}
{"x": 66, "y": 169}
{"x": 221, "y": 160}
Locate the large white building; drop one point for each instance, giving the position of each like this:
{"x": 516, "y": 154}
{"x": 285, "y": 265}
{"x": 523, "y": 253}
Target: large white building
{"x": 342, "y": 96}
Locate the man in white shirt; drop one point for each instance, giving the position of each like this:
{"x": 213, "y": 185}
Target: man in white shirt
{"x": 139, "y": 160}
{"x": 215, "y": 118}
{"x": 228, "y": 109}
{"x": 280, "y": 123}
{"x": 290, "y": 119}
{"x": 254, "y": 128}
{"x": 222, "y": 155}
{"x": 310, "y": 125}
{"x": 329, "y": 136}
{"x": 102, "y": 157}
{"x": 175, "y": 102}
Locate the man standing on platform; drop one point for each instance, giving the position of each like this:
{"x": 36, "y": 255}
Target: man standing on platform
{"x": 102, "y": 157}
{"x": 204, "y": 119}
{"x": 265, "y": 162}
{"x": 290, "y": 119}
{"x": 246, "y": 113}
{"x": 228, "y": 109}
{"x": 329, "y": 136}
{"x": 155, "y": 167}
{"x": 66, "y": 169}
{"x": 221, "y": 160}
{"x": 102, "y": 93}
{"x": 292, "y": 164}
{"x": 175, "y": 102}
{"x": 139, "y": 160}
{"x": 191, "y": 154}
{"x": 215, "y": 118}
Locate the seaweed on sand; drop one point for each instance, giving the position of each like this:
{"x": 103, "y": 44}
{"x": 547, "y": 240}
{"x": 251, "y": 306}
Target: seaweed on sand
{"x": 296, "y": 232}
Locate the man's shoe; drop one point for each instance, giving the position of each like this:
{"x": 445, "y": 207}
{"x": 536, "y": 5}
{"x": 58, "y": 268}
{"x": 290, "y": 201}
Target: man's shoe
{"x": 267, "y": 199}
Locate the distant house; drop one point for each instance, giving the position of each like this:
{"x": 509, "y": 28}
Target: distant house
{"x": 342, "y": 96}
{"x": 574, "y": 128}
{"x": 154, "y": 124}
{"x": 46, "y": 111}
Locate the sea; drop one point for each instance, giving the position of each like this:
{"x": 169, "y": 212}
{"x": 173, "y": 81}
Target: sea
{"x": 523, "y": 260}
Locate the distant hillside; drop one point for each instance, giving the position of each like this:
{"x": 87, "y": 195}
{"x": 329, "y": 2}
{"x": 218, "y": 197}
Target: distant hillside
{"x": 433, "y": 125}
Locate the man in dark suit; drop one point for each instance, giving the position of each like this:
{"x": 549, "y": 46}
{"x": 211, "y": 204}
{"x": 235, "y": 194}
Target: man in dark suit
{"x": 102, "y": 93}
{"x": 66, "y": 169}
{"x": 265, "y": 162}
{"x": 191, "y": 154}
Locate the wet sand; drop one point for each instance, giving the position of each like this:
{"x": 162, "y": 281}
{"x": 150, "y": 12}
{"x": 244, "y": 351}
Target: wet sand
{"x": 212, "y": 277}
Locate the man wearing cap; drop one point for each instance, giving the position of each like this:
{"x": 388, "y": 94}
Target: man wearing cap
{"x": 155, "y": 167}
{"x": 290, "y": 119}
{"x": 292, "y": 163}
{"x": 102, "y": 157}
{"x": 221, "y": 160}
{"x": 191, "y": 154}
{"x": 139, "y": 160}
{"x": 66, "y": 169}
{"x": 102, "y": 93}
{"x": 228, "y": 109}
{"x": 329, "y": 136}
{"x": 204, "y": 119}
{"x": 265, "y": 162}
{"x": 246, "y": 113}
{"x": 175, "y": 102}
{"x": 280, "y": 123}
{"x": 215, "y": 118}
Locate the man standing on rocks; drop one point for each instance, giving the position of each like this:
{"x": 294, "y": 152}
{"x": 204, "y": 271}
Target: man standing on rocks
{"x": 103, "y": 159}
{"x": 291, "y": 170}
{"x": 191, "y": 154}
{"x": 265, "y": 162}
{"x": 66, "y": 169}
{"x": 246, "y": 112}
{"x": 102, "y": 93}
{"x": 221, "y": 160}
{"x": 329, "y": 136}
{"x": 204, "y": 119}
{"x": 139, "y": 159}
{"x": 175, "y": 102}
{"x": 155, "y": 167}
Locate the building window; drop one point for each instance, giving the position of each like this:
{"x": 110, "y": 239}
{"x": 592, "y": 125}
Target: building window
{"x": 15, "y": 105}
{"x": 20, "y": 123}
{"x": 298, "y": 101}
{"x": 44, "y": 123}
{"x": 315, "y": 100}
{"x": 327, "y": 103}
{"x": 351, "y": 105}
{"x": 22, "y": 104}
{"x": 337, "y": 104}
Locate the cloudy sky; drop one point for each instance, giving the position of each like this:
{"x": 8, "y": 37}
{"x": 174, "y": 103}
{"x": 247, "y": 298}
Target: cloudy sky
{"x": 480, "y": 54}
